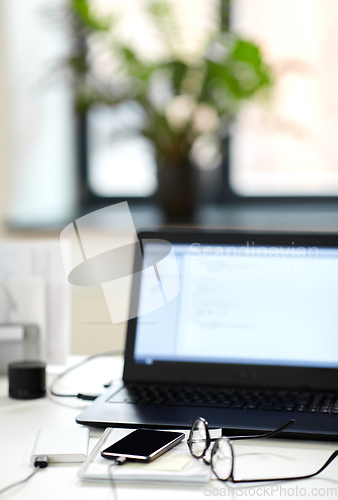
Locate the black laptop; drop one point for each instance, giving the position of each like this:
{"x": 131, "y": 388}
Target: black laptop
{"x": 248, "y": 339}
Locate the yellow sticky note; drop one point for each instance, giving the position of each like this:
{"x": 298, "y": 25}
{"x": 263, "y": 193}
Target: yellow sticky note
{"x": 170, "y": 463}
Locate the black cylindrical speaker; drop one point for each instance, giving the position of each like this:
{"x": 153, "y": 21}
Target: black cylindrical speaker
{"x": 27, "y": 379}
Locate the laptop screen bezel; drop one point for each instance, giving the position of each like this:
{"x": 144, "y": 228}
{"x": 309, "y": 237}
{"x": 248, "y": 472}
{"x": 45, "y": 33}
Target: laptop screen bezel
{"x": 235, "y": 375}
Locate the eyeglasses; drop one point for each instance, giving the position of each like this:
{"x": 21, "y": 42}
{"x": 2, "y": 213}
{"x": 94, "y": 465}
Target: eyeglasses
{"x": 222, "y": 456}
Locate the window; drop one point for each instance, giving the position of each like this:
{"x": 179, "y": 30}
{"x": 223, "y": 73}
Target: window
{"x": 284, "y": 146}
{"x": 289, "y": 146}
{"x": 119, "y": 166}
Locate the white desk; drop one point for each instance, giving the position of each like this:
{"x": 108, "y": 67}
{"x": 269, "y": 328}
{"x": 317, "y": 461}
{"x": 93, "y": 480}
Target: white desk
{"x": 20, "y": 421}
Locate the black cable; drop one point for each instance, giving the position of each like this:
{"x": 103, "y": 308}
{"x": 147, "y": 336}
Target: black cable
{"x": 40, "y": 463}
{"x": 87, "y": 397}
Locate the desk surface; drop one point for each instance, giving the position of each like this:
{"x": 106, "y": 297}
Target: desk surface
{"x": 20, "y": 421}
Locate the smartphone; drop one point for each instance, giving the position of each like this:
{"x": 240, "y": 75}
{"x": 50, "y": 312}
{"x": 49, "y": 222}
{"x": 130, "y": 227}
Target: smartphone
{"x": 143, "y": 444}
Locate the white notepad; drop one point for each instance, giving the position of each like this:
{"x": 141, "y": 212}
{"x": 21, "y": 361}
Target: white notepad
{"x": 175, "y": 466}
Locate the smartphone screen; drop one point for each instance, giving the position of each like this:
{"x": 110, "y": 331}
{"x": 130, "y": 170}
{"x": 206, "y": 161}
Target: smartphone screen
{"x": 143, "y": 444}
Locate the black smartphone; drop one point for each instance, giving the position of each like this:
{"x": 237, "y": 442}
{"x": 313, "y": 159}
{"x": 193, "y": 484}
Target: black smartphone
{"x": 143, "y": 444}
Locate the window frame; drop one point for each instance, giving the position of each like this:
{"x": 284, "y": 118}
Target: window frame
{"x": 227, "y": 195}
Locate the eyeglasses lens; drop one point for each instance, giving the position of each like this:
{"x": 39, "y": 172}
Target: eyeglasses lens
{"x": 222, "y": 459}
{"x": 199, "y": 438}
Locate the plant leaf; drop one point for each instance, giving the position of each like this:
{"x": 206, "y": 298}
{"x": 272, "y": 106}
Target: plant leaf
{"x": 88, "y": 18}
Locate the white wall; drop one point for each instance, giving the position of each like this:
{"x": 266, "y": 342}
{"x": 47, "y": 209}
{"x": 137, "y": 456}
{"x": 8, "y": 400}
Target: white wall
{"x": 5, "y": 136}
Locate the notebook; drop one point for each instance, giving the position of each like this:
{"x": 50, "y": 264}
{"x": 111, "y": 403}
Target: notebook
{"x": 175, "y": 466}
{"x": 239, "y": 328}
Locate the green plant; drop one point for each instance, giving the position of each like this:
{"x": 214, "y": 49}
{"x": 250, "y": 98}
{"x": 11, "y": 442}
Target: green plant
{"x": 201, "y": 93}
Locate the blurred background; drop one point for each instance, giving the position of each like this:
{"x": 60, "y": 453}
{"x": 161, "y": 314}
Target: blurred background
{"x": 216, "y": 113}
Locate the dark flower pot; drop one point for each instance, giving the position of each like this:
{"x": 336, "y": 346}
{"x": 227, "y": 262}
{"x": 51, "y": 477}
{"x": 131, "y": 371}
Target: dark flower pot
{"x": 182, "y": 189}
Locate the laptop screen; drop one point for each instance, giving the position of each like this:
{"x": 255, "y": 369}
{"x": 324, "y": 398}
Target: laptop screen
{"x": 252, "y": 305}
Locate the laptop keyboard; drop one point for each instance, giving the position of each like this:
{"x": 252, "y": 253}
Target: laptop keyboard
{"x": 249, "y": 399}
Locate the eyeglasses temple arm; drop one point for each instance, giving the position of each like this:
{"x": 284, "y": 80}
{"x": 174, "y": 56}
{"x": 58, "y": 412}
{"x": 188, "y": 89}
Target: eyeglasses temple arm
{"x": 267, "y": 434}
{"x": 330, "y": 459}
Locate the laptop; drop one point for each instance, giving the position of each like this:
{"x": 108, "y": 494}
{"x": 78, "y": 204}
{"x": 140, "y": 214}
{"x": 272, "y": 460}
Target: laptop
{"x": 240, "y": 328}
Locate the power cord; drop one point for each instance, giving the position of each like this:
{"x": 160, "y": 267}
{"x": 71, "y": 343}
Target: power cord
{"x": 86, "y": 397}
{"x": 117, "y": 461}
{"x": 39, "y": 463}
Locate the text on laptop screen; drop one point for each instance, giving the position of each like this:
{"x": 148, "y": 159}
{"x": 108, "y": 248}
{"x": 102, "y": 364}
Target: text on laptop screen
{"x": 244, "y": 305}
